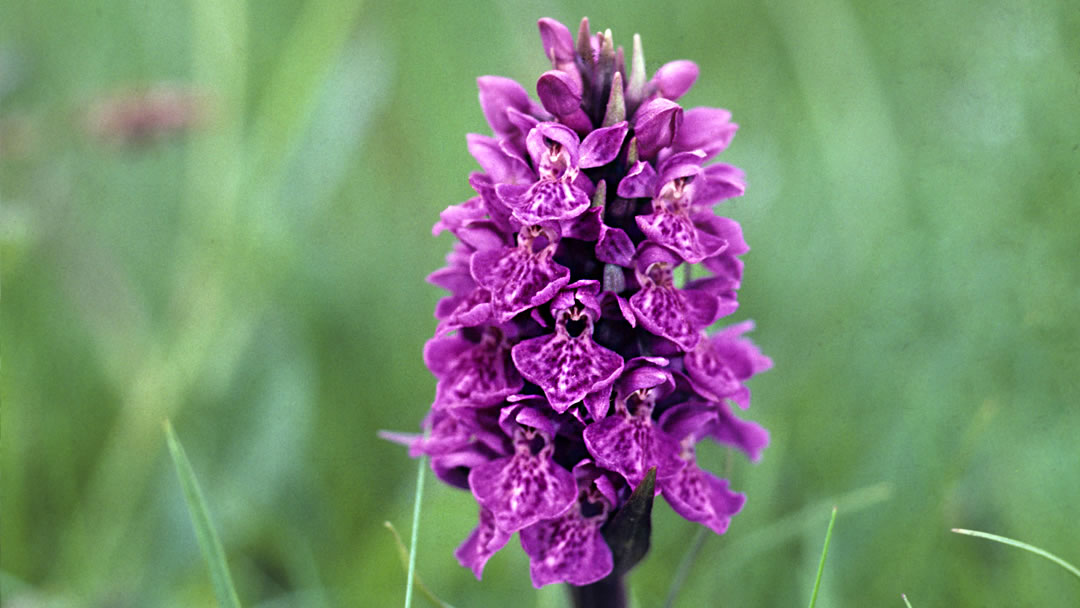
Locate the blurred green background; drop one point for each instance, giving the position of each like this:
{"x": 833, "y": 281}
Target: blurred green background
{"x": 247, "y": 258}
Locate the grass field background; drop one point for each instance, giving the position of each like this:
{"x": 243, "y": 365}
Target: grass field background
{"x": 256, "y": 275}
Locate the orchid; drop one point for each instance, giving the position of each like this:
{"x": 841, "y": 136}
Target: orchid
{"x": 575, "y": 370}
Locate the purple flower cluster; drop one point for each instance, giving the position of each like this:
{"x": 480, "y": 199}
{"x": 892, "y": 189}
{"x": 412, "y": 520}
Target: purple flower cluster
{"x": 571, "y": 356}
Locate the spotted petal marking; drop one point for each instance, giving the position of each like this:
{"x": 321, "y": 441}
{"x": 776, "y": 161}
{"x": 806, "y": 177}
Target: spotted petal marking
{"x": 517, "y": 278}
{"x": 547, "y": 199}
{"x": 700, "y": 496}
{"x": 484, "y": 541}
{"x": 678, "y": 233}
{"x": 472, "y": 375}
{"x": 671, "y": 313}
{"x": 567, "y": 368}
{"x": 631, "y": 445}
{"x": 568, "y": 548}
{"x": 523, "y": 489}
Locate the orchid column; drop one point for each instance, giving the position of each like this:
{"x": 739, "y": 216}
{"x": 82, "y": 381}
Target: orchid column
{"x": 575, "y": 371}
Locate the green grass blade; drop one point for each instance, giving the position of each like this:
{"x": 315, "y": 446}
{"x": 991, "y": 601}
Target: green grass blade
{"x": 1015, "y": 543}
{"x": 824, "y": 553}
{"x": 209, "y": 543}
{"x": 415, "y": 523}
{"x": 906, "y": 603}
{"x": 683, "y": 571}
{"x": 403, "y": 555}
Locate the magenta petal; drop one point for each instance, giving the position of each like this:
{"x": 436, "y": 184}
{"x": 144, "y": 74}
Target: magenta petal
{"x": 675, "y": 78}
{"x": 473, "y": 375}
{"x": 707, "y": 129}
{"x": 700, "y": 496}
{"x": 502, "y": 167}
{"x": 598, "y": 402}
{"x": 640, "y": 182}
{"x": 538, "y": 138}
{"x": 602, "y": 145}
{"x": 523, "y": 489}
{"x": 496, "y": 208}
{"x": 749, "y": 437}
{"x": 567, "y": 368}
{"x": 486, "y": 539}
{"x": 719, "y": 182}
{"x": 666, "y": 312}
{"x": 559, "y": 93}
{"x": 497, "y": 94}
{"x": 545, "y": 200}
{"x": 725, "y": 228}
{"x": 678, "y": 233}
{"x": 655, "y": 126}
{"x": 455, "y": 216}
{"x": 631, "y": 445}
{"x": 567, "y": 549}
{"x": 557, "y": 41}
{"x": 614, "y": 246}
{"x": 518, "y": 279}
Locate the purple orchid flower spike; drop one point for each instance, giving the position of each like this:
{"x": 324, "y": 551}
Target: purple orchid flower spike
{"x": 575, "y": 375}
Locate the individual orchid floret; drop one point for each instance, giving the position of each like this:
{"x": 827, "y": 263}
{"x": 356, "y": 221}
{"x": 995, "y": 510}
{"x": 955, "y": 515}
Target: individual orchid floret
{"x": 676, "y": 314}
{"x": 559, "y": 157}
{"x": 570, "y": 548}
{"x": 576, "y": 373}
{"x": 525, "y": 487}
{"x": 567, "y": 365}
{"x": 523, "y": 276}
{"x": 486, "y": 539}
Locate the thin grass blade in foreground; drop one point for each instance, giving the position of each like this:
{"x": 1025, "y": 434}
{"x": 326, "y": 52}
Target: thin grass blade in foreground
{"x": 824, "y": 553}
{"x": 403, "y": 554}
{"x": 1015, "y": 543}
{"x": 415, "y": 522}
{"x": 209, "y": 543}
{"x": 904, "y": 597}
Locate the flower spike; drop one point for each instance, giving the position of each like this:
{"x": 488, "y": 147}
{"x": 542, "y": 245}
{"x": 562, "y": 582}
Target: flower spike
{"x": 575, "y": 370}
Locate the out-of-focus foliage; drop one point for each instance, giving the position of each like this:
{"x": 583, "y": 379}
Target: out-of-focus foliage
{"x": 219, "y": 212}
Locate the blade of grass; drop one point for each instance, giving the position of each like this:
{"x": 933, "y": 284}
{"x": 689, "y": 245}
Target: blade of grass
{"x": 209, "y": 543}
{"x": 906, "y": 603}
{"x": 683, "y": 570}
{"x": 403, "y": 555}
{"x": 748, "y": 547}
{"x": 824, "y": 553}
{"x": 1015, "y": 543}
{"x": 415, "y": 524}
{"x": 205, "y": 534}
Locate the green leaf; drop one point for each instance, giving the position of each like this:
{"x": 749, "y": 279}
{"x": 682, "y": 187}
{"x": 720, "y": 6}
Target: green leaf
{"x": 209, "y": 543}
{"x": 1026, "y": 547}
{"x": 629, "y": 530}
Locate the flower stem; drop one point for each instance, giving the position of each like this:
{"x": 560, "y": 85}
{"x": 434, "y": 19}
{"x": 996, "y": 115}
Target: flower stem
{"x": 609, "y": 592}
